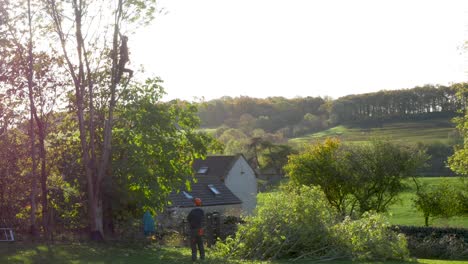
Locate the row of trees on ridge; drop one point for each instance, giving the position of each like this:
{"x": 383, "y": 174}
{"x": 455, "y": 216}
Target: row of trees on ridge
{"x": 298, "y": 116}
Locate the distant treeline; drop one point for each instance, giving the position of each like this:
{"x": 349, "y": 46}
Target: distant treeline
{"x": 298, "y": 116}
{"x": 290, "y": 116}
{"x": 393, "y": 104}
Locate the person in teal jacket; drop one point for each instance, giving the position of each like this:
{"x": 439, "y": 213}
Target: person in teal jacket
{"x": 148, "y": 224}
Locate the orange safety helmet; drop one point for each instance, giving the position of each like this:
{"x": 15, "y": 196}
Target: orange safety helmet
{"x": 197, "y": 201}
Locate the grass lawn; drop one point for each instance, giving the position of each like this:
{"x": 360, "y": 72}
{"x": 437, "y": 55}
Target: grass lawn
{"x": 425, "y": 131}
{"x": 404, "y": 212}
{"x": 128, "y": 253}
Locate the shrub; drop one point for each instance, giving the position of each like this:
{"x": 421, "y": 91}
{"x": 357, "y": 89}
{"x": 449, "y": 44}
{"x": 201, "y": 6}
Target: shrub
{"x": 286, "y": 224}
{"x": 370, "y": 237}
{"x": 296, "y": 223}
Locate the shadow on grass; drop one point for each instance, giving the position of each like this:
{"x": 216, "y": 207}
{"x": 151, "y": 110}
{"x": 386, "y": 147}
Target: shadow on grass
{"x": 96, "y": 253}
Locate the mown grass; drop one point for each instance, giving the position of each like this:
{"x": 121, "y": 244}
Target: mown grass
{"x": 425, "y": 131}
{"x": 28, "y": 253}
{"x": 404, "y": 213}
{"x": 94, "y": 253}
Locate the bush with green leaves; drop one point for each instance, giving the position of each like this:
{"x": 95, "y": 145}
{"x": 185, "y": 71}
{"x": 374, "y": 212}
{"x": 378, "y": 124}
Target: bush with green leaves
{"x": 299, "y": 223}
{"x": 370, "y": 238}
{"x": 287, "y": 223}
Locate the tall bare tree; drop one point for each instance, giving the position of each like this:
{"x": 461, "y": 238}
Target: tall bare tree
{"x": 32, "y": 110}
{"x": 18, "y": 73}
{"x": 94, "y": 46}
{"x": 32, "y": 77}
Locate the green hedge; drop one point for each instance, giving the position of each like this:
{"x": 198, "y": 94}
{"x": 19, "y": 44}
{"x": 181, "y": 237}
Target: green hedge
{"x": 431, "y": 231}
{"x": 436, "y": 242}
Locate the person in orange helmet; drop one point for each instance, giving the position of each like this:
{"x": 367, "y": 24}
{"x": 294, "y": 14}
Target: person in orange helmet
{"x": 195, "y": 219}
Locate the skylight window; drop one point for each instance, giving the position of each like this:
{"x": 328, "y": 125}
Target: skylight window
{"x": 213, "y": 189}
{"x": 187, "y": 195}
{"x": 202, "y": 170}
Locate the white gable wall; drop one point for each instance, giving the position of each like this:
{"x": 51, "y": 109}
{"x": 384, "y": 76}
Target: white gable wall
{"x": 242, "y": 182}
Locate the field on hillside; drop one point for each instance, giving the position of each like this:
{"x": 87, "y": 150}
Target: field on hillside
{"x": 425, "y": 131}
{"x": 210, "y": 131}
{"x": 130, "y": 253}
{"x": 404, "y": 212}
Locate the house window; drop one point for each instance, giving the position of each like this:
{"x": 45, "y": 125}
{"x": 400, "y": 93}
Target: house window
{"x": 213, "y": 189}
{"x": 202, "y": 170}
{"x": 187, "y": 195}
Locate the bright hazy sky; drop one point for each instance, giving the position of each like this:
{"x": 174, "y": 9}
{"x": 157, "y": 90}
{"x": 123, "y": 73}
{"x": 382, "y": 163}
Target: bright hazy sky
{"x": 262, "y": 48}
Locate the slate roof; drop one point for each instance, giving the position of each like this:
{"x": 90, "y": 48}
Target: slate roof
{"x": 218, "y": 168}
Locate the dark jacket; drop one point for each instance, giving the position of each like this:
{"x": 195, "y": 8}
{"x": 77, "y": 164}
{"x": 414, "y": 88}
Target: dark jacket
{"x": 195, "y": 218}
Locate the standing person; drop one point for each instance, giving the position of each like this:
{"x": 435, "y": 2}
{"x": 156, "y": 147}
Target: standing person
{"x": 195, "y": 219}
{"x": 148, "y": 224}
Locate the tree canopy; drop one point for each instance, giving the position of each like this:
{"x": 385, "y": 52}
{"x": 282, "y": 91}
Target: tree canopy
{"x": 96, "y": 134}
{"x": 355, "y": 179}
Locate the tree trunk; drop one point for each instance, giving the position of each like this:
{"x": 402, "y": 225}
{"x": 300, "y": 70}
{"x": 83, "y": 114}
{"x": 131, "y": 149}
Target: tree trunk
{"x": 90, "y": 161}
{"x": 426, "y": 220}
{"x": 107, "y": 214}
{"x": 45, "y": 204}
{"x": 42, "y": 158}
{"x": 95, "y": 210}
{"x": 31, "y": 127}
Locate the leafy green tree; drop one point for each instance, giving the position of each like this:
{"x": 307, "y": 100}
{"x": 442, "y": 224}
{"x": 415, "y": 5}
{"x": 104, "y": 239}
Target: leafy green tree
{"x": 154, "y": 146}
{"x": 458, "y": 162}
{"x": 378, "y": 170}
{"x": 438, "y": 201}
{"x": 355, "y": 178}
{"x": 324, "y": 165}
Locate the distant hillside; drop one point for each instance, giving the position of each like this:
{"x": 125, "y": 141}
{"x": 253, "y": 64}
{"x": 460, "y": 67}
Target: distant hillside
{"x": 437, "y": 136}
{"x": 429, "y": 131}
{"x": 304, "y": 115}
{"x": 419, "y": 116}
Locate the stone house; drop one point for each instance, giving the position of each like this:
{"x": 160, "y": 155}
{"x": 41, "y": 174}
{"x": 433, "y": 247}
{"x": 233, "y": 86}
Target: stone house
{"x": 226, "y": 185}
